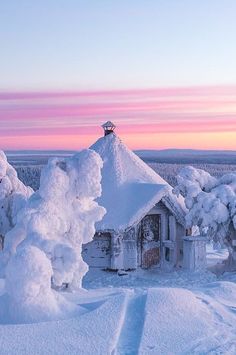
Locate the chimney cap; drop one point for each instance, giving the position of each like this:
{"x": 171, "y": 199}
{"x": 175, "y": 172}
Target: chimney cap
{"x": 108, "y": 127}
{"x": 108, "y": 124}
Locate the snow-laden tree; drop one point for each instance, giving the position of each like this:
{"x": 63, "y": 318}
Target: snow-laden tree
{"x": 211, "y": 205}
{"x": 13, "y": 196}
{"x": 61, "y": 216}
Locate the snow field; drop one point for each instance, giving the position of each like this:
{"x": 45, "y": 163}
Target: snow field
{"x": 145, "y": 312}
{"x": 94, "y": 332}
{"x": 175, "y": 320}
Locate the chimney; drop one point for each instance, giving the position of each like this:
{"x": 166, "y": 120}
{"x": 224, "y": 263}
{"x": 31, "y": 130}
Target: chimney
{"x": 108, "y": 127}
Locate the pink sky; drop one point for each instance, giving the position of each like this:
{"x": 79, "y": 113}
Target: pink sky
{"x": 190, "y": 117}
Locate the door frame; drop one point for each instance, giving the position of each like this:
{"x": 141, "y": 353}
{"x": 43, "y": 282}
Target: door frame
{"x": 160, "y": 209}
{"x": 158, "y": 242}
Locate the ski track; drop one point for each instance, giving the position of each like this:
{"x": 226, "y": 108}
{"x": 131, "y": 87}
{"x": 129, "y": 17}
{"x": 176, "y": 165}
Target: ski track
{"x": 132, "y": 328}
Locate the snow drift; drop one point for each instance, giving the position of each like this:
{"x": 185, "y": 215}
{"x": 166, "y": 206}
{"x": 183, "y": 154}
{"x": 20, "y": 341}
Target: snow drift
{"x": 28, "y": 285}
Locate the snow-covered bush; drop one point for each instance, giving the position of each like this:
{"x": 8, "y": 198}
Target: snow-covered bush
{"x": 61, "y": 216}
{"x": 212, "y": 205}
{"x": 13, "y": 196}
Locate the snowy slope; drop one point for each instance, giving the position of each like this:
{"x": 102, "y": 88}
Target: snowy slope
{"x": 130, "y": 187}
{"x": 143, "y": 321}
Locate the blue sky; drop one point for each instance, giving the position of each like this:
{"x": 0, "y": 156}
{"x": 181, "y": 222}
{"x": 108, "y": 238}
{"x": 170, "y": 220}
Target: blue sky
{"x": 112, "y": 44}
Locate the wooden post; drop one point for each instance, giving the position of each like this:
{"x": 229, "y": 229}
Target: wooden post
{"x": 117, "y": 251}
{"x": 194, "y": 253}
{"x": 129, "y": 250}
{"x": 1, "y": 242}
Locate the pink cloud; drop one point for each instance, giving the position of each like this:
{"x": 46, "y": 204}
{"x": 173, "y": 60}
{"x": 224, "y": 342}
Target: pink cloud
{"x": 162, "y": 110}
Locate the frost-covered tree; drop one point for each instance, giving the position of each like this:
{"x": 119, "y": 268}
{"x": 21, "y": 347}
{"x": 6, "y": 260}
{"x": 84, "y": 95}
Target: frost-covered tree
{"x": 13, "y": 196}
{"x": 61, "y": 216}
{"x": 212, "y": 206}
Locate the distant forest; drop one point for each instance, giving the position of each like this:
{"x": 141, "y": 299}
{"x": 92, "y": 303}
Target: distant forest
{"x": 30, "y": 174}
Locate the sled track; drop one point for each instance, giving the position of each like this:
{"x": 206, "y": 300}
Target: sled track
{"x": 132, "y": 328}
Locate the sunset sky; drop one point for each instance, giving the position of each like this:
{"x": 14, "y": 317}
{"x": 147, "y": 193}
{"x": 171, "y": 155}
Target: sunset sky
{"x": 162, "y": 70}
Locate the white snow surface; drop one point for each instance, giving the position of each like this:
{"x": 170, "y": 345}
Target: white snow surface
{"x": 180, "y": 321}
{"x": 145, "y": 312}
{"x": 130, "y": 188}
{"x": 94, "y": 331}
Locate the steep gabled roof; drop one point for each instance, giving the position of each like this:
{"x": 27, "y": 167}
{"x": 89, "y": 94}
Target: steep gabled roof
{"x": 130, "y": 188}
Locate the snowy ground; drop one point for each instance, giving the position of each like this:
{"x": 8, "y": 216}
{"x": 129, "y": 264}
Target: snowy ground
{"x": 144, "y": 312}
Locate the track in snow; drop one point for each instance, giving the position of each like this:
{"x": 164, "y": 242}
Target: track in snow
{"x": 132, "y": 328}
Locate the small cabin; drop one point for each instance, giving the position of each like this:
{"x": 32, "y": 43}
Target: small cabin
{"x": 144, "y": 224}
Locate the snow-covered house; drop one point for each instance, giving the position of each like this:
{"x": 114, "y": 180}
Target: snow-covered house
{"x": 145, "y": 222}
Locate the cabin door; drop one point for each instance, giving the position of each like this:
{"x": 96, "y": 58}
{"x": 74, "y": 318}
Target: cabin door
{"x": 150, "y": 240}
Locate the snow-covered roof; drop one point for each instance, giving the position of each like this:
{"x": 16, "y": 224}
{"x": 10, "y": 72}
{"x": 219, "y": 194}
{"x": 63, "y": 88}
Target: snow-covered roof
{"x": 130, "y": 188}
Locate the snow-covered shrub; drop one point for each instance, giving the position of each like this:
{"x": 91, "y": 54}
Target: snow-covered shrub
{"x": 13, "y": 196}
{"x": 28, "y": 285}
{"x": 212, "y": 205}
{"x": 61, "y": 216}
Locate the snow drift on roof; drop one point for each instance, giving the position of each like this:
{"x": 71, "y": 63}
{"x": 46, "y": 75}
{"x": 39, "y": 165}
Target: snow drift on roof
{"x": 130, "y": 188}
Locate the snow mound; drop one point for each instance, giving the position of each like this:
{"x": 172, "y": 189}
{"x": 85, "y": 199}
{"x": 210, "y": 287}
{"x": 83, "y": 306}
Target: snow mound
{"x": 28, "y": 285}
{"x": 93, "y": 332}
{"x": 130, "y": 188}
{"x": 173, "y": 318}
